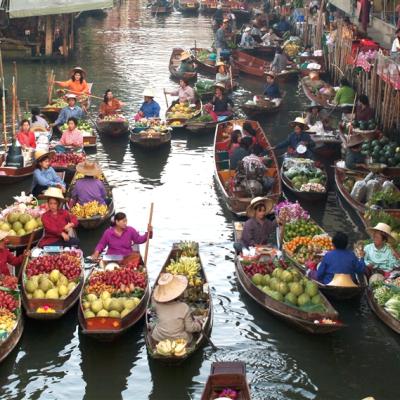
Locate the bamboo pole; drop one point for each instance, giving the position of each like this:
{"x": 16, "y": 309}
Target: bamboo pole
{"x": 51, "y": 86}
{"x": 14, "y": 108}
{"x": 146, "y": 250}
{"x": 17, "y": 107}
{"x": 3, "y": 102}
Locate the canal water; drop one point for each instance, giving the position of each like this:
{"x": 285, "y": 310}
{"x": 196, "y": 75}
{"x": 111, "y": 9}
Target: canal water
{"x": 128, "y": 51}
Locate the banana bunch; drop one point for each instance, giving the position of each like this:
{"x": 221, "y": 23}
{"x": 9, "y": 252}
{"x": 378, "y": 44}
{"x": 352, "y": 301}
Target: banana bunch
{"x": 89, "y": 210}
{"x": 187, "y": 266}
{"x": 195, "y": 281}
{"x": 291, "y": 49}
{"x": 171, "y": 347}
{"x": 7, "y": 320}
{"x": 189, "y": 249}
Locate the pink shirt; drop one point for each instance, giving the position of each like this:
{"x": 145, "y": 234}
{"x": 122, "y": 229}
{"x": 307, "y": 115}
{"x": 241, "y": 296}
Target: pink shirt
{"x": 185, "y": 94}
{"x": 72, "y": 138}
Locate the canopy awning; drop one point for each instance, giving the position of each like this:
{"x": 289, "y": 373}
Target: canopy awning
{"x": 35, "y": 8}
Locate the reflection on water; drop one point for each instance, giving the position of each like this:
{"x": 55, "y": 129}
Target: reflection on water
{"x": 126, "y": 52}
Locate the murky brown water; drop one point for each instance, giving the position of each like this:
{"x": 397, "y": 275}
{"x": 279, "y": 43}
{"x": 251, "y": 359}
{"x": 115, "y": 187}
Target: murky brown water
{"x": 126, "y": 52}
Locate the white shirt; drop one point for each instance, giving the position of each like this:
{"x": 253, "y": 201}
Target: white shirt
{"x": 396, "y": 45}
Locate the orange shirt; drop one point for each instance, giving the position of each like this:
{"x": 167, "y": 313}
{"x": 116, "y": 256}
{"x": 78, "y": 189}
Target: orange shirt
{"x": 75, "y": 86}
{"x": 109, "y": 109}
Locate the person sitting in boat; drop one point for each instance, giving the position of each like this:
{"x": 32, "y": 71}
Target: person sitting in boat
{"x": 222, "y": 76}
{"x": 314, "y": 113}
{"x": 185, "y": 92}
{"x": 255, "y": 33}
{"x": 25, "y": 137}
{"x": 280, "y": 61}
{"x": 7, "y": 258}
{"x": 187, "y": 64}
{"x": 90, "y": 187}
{"x": 149, "y": 108}
{"x": 296, "y": 138}
{"x": 71, "y": 111}
{"x": 380, "y": 255}
{"x": 77, "y": 84}
{"x": 340, "y": 262}
{"x": 270, "y": 37}
{"x": 240, "y": 152}
{"x": 363, "y": 111}
{"x": 233, "y": 142}
{"x": 271, "y": 89}
{"x": 222, "y": 103}
{"x": 110, "y": 105}
{"x": 174, "y": 319}
{"x": 120, "y": 237}
{"x": 44, "y": 176}
{"x": 257, "y": 229}
{"x": 247, "y": 41}
{"x": 71, "y": 137}
{"x": 58, "y": 223}
{"x": 345, "y": 95}
{"x": 354, "y": 159}
{"x": 37, "y": 120}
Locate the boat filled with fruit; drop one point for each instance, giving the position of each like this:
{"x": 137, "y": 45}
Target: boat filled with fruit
{"x": 178, "y": 114}
{"x": 67, "y": 162}
{"x": 51, "y": 110}
{"x": 11, "y": 319}
{"x": 113, "y": 125}
{"x": 51, "y": 282}
{"x": 114, "y": 297}
{"x": 305, "y": 178}
{"x": 184, "y": 260}
{"x": 150, "y": 133}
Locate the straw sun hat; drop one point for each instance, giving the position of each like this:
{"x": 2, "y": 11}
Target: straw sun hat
{"x": 88, "y": 168}
{"x": 169, "y": 287}
{"x": 78, "y": 69}
{"x": 300, "y": 121}
{"x": 383, "y": 228}
{"x": 3, "y": 235}
{"x": 268, "y": 203}
{"x": 41, "y": 154}
{"x": 148, "y": 92}
{"x": 52, "y": 193}
{"x": 354, "y": 140}
{"x": 314, "y": 104}
{"x": 185, "y": 55}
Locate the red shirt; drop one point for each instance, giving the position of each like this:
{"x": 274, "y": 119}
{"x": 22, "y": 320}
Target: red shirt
{"x": 53, "y": 225}
{"x": 6, "y": 257}
{"x": 26, "y": 139}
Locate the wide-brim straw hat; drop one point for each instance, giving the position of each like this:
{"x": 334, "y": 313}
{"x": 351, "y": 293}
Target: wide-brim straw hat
{"x": 41, "y": 154}
{"x": 88, "y": 168}
{"x": 185, "y": 55}
{"x": 268, "y": 204}
{"x": 314, "y": 104}
{"x": 343, "y": 280}
{"x": 271, "y": 74}
{"x": 52, "y": 193}
{"x": 354, "y": 140}
{"x": 247, "y": 29}
{"x": 3, "y": 235}
{"x": 169, "y": 287}
{"x": 383, "y": 228}
{"x": 220, "y": 85}
{"x": 71, "y": 96}
{"x": 300, "y": 121}
{"x": 148, "y": 92}
{"x": 78, "y": 69}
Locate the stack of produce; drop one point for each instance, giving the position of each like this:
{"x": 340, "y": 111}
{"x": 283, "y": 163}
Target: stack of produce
{"x": 169, "y": 347}
{"x": 182, "y": 111}
{"x": 64, "y": 160}
{"x": 114, "y": 292}
{"x": 301, "y": 227}
{"x": 292, "y": 46}
{"x": 8, "y": 282}
{"x": 53, "y": 276}
{"x": 387, "y": 293}
{"x": 304, "y": 175}
{"x": 114, "y": 117}
{"x": 203, "y": 55}
{"x": 10, "y": 307}
{"x": 360, "y": 125}
{"x": 382, "y": 151}
{"x": 318, "y": 87}
{"x": 288, "y": 212}
{"x": 89, "y": 210}
{"x": 227, "y": 393}
{"x": 204, "y": 86}
{"x": 58, "y": 103}
{"x": 84, "y": 127}
{"x": 186, "y": 266}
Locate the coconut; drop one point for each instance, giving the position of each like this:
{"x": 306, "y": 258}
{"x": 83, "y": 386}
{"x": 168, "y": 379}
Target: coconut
{"x": 286, "y": 276}
{"x": 257, "y": 279}
{"x": 96, "y": 306}
{"x": 125, "y": 312}
{"x": 89, "y": 314}
{"x": 291, "y": 298}
{"x": 282, "y": 288}
{"x": 63, "y": 290}
{"x": 266, "y": 279}
{"x": 54, "y": 275}
{"x": 114, "y": 314}
{"x": 52, "y": 294}
{"x": 102, "y": 313}
{"x": 107, "y": 303}
{"x": 91, "y": 297}
{"x": 45, "y": 284}
{"x": 303, "y": 299}
{"x": 38, "y": 294}
{"x": 105, "y": 295}
{"x": 31, "y": 285}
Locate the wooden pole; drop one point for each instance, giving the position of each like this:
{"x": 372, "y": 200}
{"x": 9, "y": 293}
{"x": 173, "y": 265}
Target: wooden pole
{"x": 146, "y": 250}
{"x": 166, "y": 99}
{"x": 17, "y": 107}
{"x": 26, "y": 256}
{"x": 51, "y": 86}
{"x": 3, "y": 102}
{"x": 13, "y": 108}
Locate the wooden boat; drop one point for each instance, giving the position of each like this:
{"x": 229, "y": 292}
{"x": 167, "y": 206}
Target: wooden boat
{"x": 61, "y": 306}
{"x": 261, "y": 51}
{"x": 198, "y": 338}
{"x": 206, "y": 66}
{"x": 317, "y": 97}
{"x": 195, "y": 126}
{"x": 12, "y": 175}
{"x": 161, "y": 10}
{"x": 326, "y": 146}
{"x": 227, "y": 374}
{"x": 249, "y": 64}
{"x": 20, "y": 242}
{"x": 174, "y": 62}
{"x": 238, "y": 201}
{"x": 181, "y": 121}
{"x": 8, "y": 345}
{"x": 89, "y": 140}
{"x": 108, "y": 329}
{"x": 117, "y": 127}
{"x": 381, "y": 313}
{"x": 188, "y": 6}
{"x": 148, "y": 139}
{"x": 262, "y": 107}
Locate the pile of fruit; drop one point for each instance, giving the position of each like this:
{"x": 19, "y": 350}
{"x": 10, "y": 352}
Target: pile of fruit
{"x": 67, "y": 159}
{"x": 169, "y": 347}
{"x": 382, "y": 151}
{"x": 292, "y": 47}
{"x": 114, "y": 117}
{"x": 53, "y": 276}
{"x": 305, "y": 175}
{"x": 387, "y": 294}
{"x": 227, "y": 393}
{"x": 58, "y": 103}
{"x": 187, "y": 266}
{"x": 9, "y": 309}
{"x": 188, "y": 249}
{"x": 305, "y": 249}
{"x": 301, "y": 227}
{"x": 361, "y": 125}
{"x": 114, "y": 292}
{"x": 84, "y": 126}
{"x": 182, "y": 111}
{"x": 288, "y": 212}
{"x": 8, "y": 320}
{"x": 89, "y": 210}
{"x": 9, "y": 282}
{"x": 204, "y": 86}
{"x": 203, "y": 55}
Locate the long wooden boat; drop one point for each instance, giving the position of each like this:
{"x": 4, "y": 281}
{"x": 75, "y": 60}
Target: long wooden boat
{"x": 227, "y": 374}
{"x": 261, "y": 51}
{"x": 188, "y": 6}
{"x": 109, "y": 328}
{"x": 174, "y": 63}
{"x": 181, "y": 122}
{"x": 262, "y": 108}
{"x": 199, "y": 127}
{"x": 150, "y": 140}
{"x": 113, "y": 128}
{"x": 20, "y": 242}
{"x": 12, "y": 175}
{"x": 60, "y": 306}
{"x": 318, "y": 98}
{"x": 381, "y": 313}
{"x": 249, "y": 64}
{"x": 206, "y": 66}
{"x": 326, "y": 146}
{"x": 8, "y": 345}
{"x": 199, "y": 337}
{"x": 208, "y": 6}
{"x": 238, "y": 201}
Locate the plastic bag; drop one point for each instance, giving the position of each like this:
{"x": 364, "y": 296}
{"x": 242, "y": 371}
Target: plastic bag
{"x": 359, "y": 191}
{"x": 388, "y": 186}
{"x": 373, "y": 186}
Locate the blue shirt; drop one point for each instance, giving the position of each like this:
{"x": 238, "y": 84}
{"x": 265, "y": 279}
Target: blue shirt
{"x": 220, "y": 41}
{"x": 293, "y": 140}
{"x": 67, "y": 112}
{"x": 339, "y": 262}
{"x": 150, "y": 110}
{"x": 46, "y": 177}
{"x": 272, "y": 91}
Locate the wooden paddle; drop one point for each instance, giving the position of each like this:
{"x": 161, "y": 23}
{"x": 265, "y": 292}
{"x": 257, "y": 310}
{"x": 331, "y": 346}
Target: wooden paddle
{"x": 166, "y": 99}
{"x": 85, "y": 94}
{"x": 146, "y": 251}
{"x": 31, "y": 236}
{"x": 213, "y": 346}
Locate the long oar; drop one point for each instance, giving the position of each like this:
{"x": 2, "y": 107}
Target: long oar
{"x": 213, "y": 346}
{"x": 85, "y": 94}
{"x": 146, "y": 251}
{"x": 166, "y": 99}
{"x": 32, "y": 235}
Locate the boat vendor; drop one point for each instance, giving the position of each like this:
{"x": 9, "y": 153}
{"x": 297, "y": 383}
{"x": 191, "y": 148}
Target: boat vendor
{"x": 257, "y": 229}
{"x": 363, "y": 111}
{"x": 187, "y": 64}
{"x": 185, "y": 92}
{"x": 71, "y": 137}
{"x": 380, "y": 255}
{"x": 345, "y": 95}
{"x": 340, "y": 266}
{"x": 296, "y": 138}
{"x": 37, "y": 120}
{"x": 271, "y": 89}
{"x": 44, "y": 176}
{"x": 222, "y": 76}
{"x": 77, "y": 84}
{"x": 233, "y": 142}
{"x": 315, "y": 113}
{"x": 240, "y": 152}
{"x": 269, "y": 37}
{"x": 247, "y": 41}
{"x": 120, "y": 237}
{"x": 72, "y": 110}
{"x": 280, "y": 61}
{"x": 7, "y": 258}
{"x": 255, "y": 33}
{"x": 25, "y": 137}
{"x": 58, "y": 223}
{"x": 149, "y": 108}
{"x": 90, "y": 187}
{"x": 110, "y": 105}
{"x": 220, "y": 38}
{"x": 222, "y": 103}
{"x": 174, "y": 318}
{"x": 354, "y": 159}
